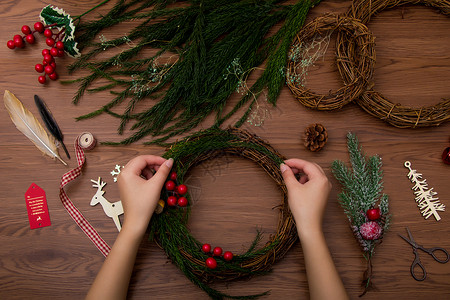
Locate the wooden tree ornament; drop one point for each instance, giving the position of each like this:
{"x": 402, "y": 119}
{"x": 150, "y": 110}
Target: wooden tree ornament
{"x": 426, "y": 201}
{"x": 112, "y": 210}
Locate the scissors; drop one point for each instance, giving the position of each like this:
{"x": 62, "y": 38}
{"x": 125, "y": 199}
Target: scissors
{"x": 417, "y": 262}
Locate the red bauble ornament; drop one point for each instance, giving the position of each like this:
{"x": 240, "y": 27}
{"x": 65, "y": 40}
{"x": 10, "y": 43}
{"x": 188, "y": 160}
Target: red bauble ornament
{"x": 217, "y": 251}
{"x": 39, "y": 27}
{"x": 173, "y": 176}
{"x": 206, "y": 248}
{"x": 59, "y": 45}
{"x": 42, "y": 79}
{"x": 48, "y": 33}
{"x": 48, "y": 69}
{"x": 53, "y": 76}
{"x": 373, "y": 214}
{"x": 370, "y": 230}
{"x": 170, "y": 185}
{"x": 211, "y": 263}
{"x": 182, "y": 189}
{"x": 39, "y": 68}
{"x": 446, "y": 156}
{"x": 228, "y": 255}
{"x": 182, "y": 201}
{"x": 172, "y": 201}
{"x": 50, "y": 42}
{"x": 30, "y": 39}
{"x": 10, "y": 44}
{"x": 26, "y": 29}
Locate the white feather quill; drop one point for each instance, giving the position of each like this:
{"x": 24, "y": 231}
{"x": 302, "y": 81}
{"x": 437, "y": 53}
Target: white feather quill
{"x": 27, "y": 123}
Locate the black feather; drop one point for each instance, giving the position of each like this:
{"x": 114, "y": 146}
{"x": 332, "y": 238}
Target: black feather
{"x": 50, "y": 122}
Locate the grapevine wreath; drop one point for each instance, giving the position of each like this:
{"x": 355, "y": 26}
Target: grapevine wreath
{"x": 169, "y": 229}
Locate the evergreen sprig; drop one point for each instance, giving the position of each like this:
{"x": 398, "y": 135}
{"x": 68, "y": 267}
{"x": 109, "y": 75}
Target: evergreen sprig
{"x": 206, "y": 37}
{"x": 362, "y": 189}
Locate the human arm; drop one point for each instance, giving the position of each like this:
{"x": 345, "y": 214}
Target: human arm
{"x": 139, "y": 191}
{"x": 307, "y": 200}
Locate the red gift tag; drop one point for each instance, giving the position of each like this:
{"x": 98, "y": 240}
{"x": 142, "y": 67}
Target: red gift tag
{"x": 37, "y": 207}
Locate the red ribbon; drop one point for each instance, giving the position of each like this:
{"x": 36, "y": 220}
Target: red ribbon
{"x": 76, "y": 215}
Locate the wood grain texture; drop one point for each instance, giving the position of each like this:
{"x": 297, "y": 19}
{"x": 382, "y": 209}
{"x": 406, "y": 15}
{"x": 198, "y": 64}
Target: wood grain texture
{"x": 233, "y": 198}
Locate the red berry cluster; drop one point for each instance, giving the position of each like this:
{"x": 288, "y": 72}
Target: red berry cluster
{"x": 53, "y": 40}
{"x": 371, "y": 230}
{"x": 176, "y": 192}
{"x": 217, "y": 251}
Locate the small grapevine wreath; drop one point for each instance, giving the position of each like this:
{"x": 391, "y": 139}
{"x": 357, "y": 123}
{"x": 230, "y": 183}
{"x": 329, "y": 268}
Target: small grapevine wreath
{"x": 358, "y": 62}
{"x": 169, "y": 229}
{"x": 375, "y": 103}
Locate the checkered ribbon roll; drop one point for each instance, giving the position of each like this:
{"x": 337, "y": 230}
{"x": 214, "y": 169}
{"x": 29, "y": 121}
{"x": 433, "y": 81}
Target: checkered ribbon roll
{"x": 76, "y": 215}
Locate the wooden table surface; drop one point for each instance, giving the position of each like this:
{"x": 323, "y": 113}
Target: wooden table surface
{"x": 59, "y": 261}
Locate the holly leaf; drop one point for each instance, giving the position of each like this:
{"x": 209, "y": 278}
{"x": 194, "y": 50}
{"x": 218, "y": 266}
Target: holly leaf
{"x": 52, "y": 15}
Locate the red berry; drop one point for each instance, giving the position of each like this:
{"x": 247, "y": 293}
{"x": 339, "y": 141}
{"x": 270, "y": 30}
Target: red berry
{"x": 60, "y": 45}
{"x": 30, "y": 39}
{"x": 53, "y": 76}
{"x": 38, "y": 26}
{"x": 17, "y": 37}
{"x": 60, "y": 53}
{"x": 54, "y": 52}
{"x": 206, "y": 248}
{"x": 50, "y": 42}
{"x": 45, "y": 52}
{"x": 172, "y": 201}
{"x": 211, "y": 263}
{"x": 39, "y": 68}
{"x": 170, "y": 185}
{"x": 26, "y": 29}
{"x": 228, "y": 256}
{"x": 182, "y": 201}
{"x": 370, "y": 230}
{"x": 173, "y": 176}
{"x": 18, "y": 42}
{"x": 52, "y": 64}
{"x": 10, "y": 44}
{"x": 446, "y": 156}
{"x": 373, "y": 214}
{"x": 182, "y": 189}
{"x": 44, "y": 62}
{"x": 48, "y": 58}
{"x": 48, "y": 69}
{"x": 42, "y": 79}
{"x": 48, "y": 33}
{"x": 217, "y": 251}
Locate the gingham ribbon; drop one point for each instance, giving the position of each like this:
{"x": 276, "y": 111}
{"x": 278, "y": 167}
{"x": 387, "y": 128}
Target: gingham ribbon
{"x": 76, "y": 215}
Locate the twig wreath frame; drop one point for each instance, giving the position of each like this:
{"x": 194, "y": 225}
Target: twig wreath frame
{"x": 374, "y": 102}
{"x": 358, "y": 62}
{"x": 169, "y": 228}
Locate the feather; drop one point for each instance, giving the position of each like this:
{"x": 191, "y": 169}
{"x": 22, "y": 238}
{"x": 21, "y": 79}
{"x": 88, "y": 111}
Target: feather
{"x": 27, "y": 123}
{"x": 50, "y": 122}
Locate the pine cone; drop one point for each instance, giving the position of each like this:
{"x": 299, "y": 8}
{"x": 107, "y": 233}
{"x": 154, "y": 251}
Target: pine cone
{"x": 316, "y": 137}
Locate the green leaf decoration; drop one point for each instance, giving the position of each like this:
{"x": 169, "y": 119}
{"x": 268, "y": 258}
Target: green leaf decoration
{"x": 57, "y": 17}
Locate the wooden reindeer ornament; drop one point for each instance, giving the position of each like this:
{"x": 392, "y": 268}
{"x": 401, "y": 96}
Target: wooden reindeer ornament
{"x": 112, "y": 210}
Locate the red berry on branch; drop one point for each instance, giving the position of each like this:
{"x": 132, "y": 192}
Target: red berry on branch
{"x": 17, "y": 37}
{"x": 182, "y": 201}
{"x": 42, "y": 79}
{"x": 52, "y": 64}
{"x": 370, "y": 230}
{"x": 39, "y": 68}
{"x": 26, "y": 29}
{"x": 217, "y": 251}
{"x": 60, "y": 53}
{"x": 206, "y": 248}
{"x": 30, "y": 39}
{"x": 170, "y": 185}
{"x": 45, "y": 52}
{"x": 446, "y": 156}
{"x": 228, "y": 255}
{"x": 10, "y": 44}
{"x": 211, "y": 263}
{"x": 50, "y": 42}
{"x": 48, "y": 58}
{"x": 53, "y": 76}
{"x": 48, "y": 69}
{"x": 48, "y": 33}
{"x": 19, "y": 43}
{"x": 44, "y": 62}
{"x": 172, "y": 201}
{"x": 373, "y": 214}
{"x": 39, "y": 27}
{"x": 173, "y": 176}
{"x": 54, "y": 52}
{"x": 182, "y": 189}
{"x": 60, "y": 45}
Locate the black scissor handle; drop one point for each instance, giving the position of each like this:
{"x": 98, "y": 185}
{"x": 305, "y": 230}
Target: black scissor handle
{"x": 431, "y": 251}
{"x": 416, "y": 263}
